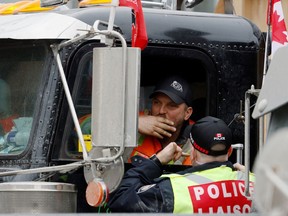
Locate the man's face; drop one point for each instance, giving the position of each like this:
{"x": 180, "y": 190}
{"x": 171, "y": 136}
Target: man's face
{"x": 163, "y": 106}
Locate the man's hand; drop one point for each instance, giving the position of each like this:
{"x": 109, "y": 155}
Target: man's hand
{"x": 155, "y": 126}
{"x": 171, "y": 152}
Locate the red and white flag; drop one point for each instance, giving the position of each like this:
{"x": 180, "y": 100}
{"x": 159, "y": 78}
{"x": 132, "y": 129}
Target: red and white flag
{"x": 139, "y": 34}
{"x": 277, "y": 22}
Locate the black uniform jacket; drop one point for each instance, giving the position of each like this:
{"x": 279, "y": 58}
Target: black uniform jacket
{"x": 141, "y": 189}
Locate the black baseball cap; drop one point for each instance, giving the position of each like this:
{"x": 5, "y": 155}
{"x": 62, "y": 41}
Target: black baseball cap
{"x": 176, "y": 88}
{"x": 207, "y": 132}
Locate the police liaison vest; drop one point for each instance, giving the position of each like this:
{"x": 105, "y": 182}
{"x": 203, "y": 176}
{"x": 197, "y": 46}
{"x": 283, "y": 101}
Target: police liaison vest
{"x": 217, "y": 190}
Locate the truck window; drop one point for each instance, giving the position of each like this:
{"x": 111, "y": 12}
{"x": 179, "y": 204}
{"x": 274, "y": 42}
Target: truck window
{"x": 156, "y": 64}
{"x": 21, "y": 69}
{"x": 80, "y": 81}
{"x": 82, "y": 92}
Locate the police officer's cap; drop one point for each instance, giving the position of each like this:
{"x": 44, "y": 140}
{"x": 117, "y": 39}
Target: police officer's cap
{"x": 209, "y": 131}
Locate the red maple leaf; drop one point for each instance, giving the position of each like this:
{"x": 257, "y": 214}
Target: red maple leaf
{"x": 279, "y": 32}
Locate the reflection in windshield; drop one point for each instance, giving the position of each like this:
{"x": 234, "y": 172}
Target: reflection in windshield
{"x": 21, "y": 68}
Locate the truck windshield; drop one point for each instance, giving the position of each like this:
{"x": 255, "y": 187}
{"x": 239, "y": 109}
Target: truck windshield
{"x": 21, "y": 67}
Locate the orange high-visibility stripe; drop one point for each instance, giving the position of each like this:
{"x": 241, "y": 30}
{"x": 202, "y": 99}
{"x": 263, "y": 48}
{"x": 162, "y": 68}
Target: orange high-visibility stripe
{"x": 149, "y": 146}
{"x": 146, "y": 148}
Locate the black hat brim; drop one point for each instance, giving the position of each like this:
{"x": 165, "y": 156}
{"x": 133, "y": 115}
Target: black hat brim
{"x": 175, "y": 98}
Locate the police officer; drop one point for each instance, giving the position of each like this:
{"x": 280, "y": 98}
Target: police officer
{"x": 212, "y": 185}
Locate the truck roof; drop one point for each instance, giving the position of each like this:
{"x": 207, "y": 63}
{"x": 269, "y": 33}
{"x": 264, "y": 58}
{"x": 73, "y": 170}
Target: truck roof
{"x": 41, "y": 26}
{"x": 189, "y": 28}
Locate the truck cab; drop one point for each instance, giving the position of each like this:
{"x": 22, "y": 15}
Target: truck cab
{"x": 220, "y": 55}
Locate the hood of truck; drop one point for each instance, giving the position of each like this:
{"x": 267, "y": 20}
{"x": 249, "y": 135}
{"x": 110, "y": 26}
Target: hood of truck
{"x": 41, "y": 26}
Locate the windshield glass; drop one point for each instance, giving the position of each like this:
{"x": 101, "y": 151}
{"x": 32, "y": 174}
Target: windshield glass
{"x": 21, "y": 67}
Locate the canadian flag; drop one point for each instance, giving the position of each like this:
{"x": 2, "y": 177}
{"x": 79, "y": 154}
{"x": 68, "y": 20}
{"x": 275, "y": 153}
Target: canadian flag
{"x": 139, "y": 34}
{"x": 277, "y": 22}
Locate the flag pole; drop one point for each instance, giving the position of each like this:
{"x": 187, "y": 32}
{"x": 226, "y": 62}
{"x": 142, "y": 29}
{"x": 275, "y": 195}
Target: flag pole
{"x": 263, "y": 121}
{"x": 266, "y": 64}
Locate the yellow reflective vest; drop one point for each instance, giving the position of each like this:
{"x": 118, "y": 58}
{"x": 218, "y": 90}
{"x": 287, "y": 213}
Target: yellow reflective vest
{"x": 216, "y": 190}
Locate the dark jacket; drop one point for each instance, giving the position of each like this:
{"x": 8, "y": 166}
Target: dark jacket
{"x": 141, "y": 189}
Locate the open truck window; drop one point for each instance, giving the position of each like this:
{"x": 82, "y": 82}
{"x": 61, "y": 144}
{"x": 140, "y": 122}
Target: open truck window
{"x": 157, "y": 63}
{"x": 21, "y": 68}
